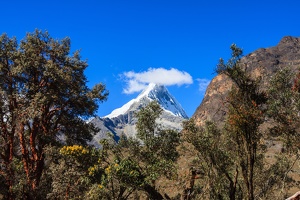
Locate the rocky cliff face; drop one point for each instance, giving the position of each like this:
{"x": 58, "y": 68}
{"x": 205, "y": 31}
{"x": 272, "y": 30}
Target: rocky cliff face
{"x": 122, "y": 120}
{"x": 261, "y": 63}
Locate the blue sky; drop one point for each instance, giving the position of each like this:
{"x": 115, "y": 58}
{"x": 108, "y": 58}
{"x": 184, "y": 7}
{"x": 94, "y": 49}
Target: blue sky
{"x": 129, "y": 43}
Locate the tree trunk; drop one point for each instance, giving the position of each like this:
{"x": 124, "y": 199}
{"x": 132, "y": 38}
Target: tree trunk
{"x": 24, "y": 151}
{"x": 33, "y": 161}
{"x": 233, "y": 184}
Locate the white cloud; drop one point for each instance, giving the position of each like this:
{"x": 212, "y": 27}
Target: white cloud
{"x": 134, "y": 86}
{"x": 136, "y": 82}
{"x": 203, "y": 83}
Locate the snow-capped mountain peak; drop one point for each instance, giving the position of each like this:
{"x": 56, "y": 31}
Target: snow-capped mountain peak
{"x": 153, "y": 92}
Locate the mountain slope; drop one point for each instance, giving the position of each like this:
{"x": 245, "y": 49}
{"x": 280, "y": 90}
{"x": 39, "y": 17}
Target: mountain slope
{"x": 122, "y": 120}
{"x": 155, "y": 92}
{"x": 261, "y": 63}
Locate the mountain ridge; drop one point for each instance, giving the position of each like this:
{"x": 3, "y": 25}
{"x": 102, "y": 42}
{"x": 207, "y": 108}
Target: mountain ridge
{"x": 260, "y": 63}
{"x": 153, "y": 92}
{"x": 121, "y": 121}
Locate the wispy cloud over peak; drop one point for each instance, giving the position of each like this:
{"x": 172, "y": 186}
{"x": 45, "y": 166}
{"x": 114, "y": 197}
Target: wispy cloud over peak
{"x": 137, "y": 81}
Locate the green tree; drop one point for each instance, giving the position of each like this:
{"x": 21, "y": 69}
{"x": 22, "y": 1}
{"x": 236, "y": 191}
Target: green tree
{"x": 8, "y": 49}
{"x": 135, "y": 164}
{"x": 245, "y": 115}
{"x": 126, "y": 170}
{"x": 284, "y": 106}
{"x": 283, "y": 109}
{"x": 158, "y": 150}
{"x": 231, "y": 158}
{"x": 215, "y": 162}
{"x": 43, "y": 96}
{"x": 70, "y": 170}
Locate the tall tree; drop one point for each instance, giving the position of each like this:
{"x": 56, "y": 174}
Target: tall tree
{"x": 283, "y": 109}
{"x": 158, "y": 149}
{"x": 215, "y": 162}
{"x": 245, "y": 115}
{"x": 43, "y": 96}
{"x": 232, "y": 159}
{"x": 135, "y": 164}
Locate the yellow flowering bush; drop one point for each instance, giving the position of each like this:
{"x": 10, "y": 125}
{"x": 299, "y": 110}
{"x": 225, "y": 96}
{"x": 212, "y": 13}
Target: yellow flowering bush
{"x": 92, "y": 170}
{"x": 74, "y": 150}
{"x": 112, "y": 168}
{"x": 100, "y": 186}
{"x": 108, "y": 170}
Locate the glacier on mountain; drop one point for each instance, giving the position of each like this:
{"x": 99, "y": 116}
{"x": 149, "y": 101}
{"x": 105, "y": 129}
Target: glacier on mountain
{"x": 122, "y": 121}
{"x": 155, "y": 92}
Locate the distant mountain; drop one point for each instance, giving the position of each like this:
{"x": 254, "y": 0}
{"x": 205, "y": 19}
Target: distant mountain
{"x": 155, "y": 92}
{"x": 122, "y": 120}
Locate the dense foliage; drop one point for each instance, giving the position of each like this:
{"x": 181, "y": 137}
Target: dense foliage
{"x": 125, "y": 170}
{"x": 233, "y": 157}
{"x": 44, "y": 154}
{"x": 43, "y": 96}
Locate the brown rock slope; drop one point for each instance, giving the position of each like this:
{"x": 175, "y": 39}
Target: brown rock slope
{"x": 261, "y": 63}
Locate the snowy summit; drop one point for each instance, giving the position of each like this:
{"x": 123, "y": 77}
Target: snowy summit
{"x": 153, "y": 92}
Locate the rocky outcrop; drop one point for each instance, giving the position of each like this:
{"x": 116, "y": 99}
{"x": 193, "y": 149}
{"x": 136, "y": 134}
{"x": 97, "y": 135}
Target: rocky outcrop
{"x": 106, "y": 127}
{"x": 261, "y": 63}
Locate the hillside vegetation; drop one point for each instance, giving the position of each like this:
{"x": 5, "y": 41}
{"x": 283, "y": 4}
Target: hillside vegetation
{"x": 250, "y": 152}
